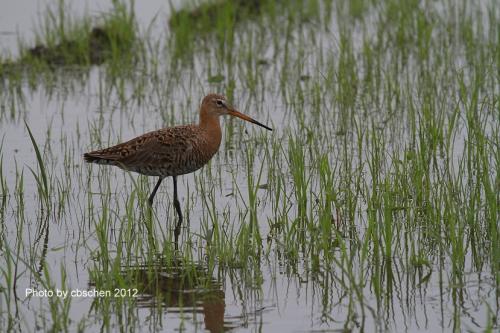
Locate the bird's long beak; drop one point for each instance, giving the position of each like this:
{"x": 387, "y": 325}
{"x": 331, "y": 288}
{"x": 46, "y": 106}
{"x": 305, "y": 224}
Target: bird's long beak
{"x": 238, "y": 114}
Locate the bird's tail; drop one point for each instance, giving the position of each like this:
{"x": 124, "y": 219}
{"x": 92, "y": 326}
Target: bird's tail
{"x": 95, "y": 158}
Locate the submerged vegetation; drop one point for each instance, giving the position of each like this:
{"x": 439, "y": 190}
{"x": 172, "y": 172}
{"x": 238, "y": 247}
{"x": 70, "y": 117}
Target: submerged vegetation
{"x": 372, "y": 206}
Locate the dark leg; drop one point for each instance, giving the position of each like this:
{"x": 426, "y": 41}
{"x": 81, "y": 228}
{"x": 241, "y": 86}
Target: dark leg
{"x": 177, "y": 205}
{"x": 152, "y": 196}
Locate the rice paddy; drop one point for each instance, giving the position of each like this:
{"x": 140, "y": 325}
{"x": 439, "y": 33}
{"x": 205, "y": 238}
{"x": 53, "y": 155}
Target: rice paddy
{"x": 373, "y": 205}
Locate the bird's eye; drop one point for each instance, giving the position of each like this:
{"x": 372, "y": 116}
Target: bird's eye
{"x": 219, "y": 103}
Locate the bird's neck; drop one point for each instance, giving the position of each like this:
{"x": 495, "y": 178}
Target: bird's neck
{"x": 210, "y": 124}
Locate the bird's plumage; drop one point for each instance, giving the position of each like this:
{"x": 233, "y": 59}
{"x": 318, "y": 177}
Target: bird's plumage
{"x": 165, "y": 152}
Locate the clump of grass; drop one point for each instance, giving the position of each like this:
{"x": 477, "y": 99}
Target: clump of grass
{"x": 64, "y": 41}
{"x": 218, "y": 21}
{"x": 209, "y": 14}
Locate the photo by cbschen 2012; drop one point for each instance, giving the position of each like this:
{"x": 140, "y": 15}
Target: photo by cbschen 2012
{"x": 366, "y": 199}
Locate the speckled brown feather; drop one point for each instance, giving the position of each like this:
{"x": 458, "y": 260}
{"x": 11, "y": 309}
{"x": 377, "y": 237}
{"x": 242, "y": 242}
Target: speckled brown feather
{"x": 165, "y": 152}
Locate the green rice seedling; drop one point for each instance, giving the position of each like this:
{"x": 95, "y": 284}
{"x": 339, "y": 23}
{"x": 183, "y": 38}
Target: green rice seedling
{"x": 347, "y": 81}
{"x": 297, "y": 159}
{"x": 4, "y": 192}
{"x": 138, "y": 199}
{"x": 8, "y": 287}
{"x": 329, "y": 219}
{"x": 214, "y": 228}
{"x": 59, "y": 308}
{"x": 41, "y": 177}
{"x": 253, "y": 188}
{"x": 280, "y": 196}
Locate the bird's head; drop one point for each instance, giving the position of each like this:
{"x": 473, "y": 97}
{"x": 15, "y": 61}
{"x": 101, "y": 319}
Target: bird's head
{"x": 217, "y": 105}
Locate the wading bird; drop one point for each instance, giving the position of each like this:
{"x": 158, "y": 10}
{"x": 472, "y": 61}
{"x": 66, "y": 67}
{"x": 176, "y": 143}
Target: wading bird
{"x": 173, "y": 151}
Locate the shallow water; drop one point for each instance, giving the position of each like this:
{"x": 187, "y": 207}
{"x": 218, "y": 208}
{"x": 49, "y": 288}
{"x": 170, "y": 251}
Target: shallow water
{"x": 96, "y": 215}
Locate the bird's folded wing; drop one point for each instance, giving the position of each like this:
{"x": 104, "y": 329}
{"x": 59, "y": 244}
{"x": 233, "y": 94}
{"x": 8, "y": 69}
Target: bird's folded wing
{"x": 161, "y": 146}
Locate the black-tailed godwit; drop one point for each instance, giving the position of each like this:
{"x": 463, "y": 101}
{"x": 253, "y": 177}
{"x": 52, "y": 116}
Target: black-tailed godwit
{"x": 173, "y": 151}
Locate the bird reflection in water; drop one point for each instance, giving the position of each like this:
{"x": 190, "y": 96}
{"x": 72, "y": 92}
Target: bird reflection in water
{"x": 181, "y": 288}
